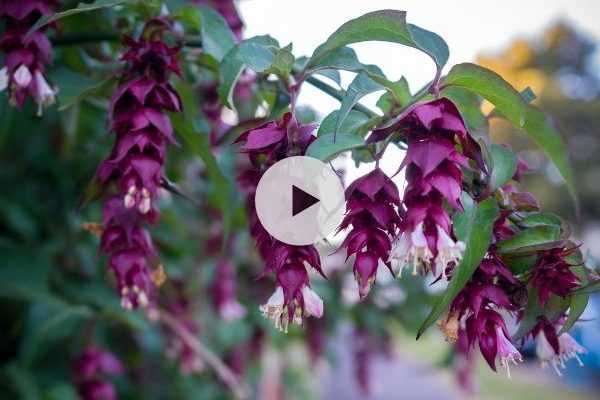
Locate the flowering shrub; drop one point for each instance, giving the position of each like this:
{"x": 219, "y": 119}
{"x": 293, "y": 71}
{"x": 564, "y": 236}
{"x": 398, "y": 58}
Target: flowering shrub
{"x": 195, "y": 271}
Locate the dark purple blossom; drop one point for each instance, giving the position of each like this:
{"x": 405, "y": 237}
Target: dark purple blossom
{"x": 553, "y": 274}
{"x": 371, "y": 203}
{"x": 434, "y": 178}
{"x": 90, "y": 371}
{"x": 135, "y": 168}
{"x": 223, "y": 290}
{"x": 293, "y": 298}
{"x": 26, "y": 56}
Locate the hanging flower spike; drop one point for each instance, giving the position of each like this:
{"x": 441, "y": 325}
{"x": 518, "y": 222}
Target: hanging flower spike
{"x": 90, "y": 370}
{"x": 553, "y": 349}
{"x": 138, "y": 117}
{"x": 293, "y": 298}
{"x": 489, "y": 330}
{"x": 26, "y": 56}
{"x": 371, "y": 203}
{"x": 223, "y": 291}
{"x": 552, "y": 274}
{"x": 433, "y": 174}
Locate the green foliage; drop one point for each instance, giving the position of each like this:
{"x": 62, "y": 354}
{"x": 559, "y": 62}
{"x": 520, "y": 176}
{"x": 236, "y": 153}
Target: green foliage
{"x": 513, "y": 106}
{"x": 474, "y": 228}
{"x": 503, "y": 166}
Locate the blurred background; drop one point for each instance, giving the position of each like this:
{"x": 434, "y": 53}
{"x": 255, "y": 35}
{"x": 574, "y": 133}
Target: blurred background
{"x": 356, "y": 351}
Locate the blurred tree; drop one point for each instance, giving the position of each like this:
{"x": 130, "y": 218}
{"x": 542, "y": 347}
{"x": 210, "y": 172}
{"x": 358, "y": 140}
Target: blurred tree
{"x": 560, "y": 68}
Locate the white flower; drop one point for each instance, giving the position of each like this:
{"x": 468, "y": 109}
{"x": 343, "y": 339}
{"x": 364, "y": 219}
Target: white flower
{"x": 411, "y": 248}
{"x": 3, "y": 78}
{"x": 44, "y": 94}
{"x": 449, "y": 251}
{"x": 313, "y": 304}
{"x": 232, "y": 311}
{"x": 22, "y": 76}
{"x": 276, "y": 308}
{"x": 507, "y": 352}
{"x": 568, "y": 349}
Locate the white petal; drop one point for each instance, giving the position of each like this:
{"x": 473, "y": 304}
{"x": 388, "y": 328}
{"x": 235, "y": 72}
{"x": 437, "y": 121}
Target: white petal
{"x": 276, "y": 299}
{"x": 417, "y": 237}
{"x": 313, "y": 304}
{"x": 3, "y": 78}
{"x": 22, "y": 76}
{"x": 45, "y": 94}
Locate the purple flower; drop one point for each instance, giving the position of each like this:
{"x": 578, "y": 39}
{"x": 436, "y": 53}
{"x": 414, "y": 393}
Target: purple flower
{"x": 553, "y": 349}
{"x": 552, "y": 274}
{"x": 223, "y": 289}
{"x": 26, "y": 56}
{"x": 371, "y": 203}
{"x": 433, "y": 173}
{"x": 138, "y": 117}
{"x": 293, "y": 298}
{"x": 91, "y": 369}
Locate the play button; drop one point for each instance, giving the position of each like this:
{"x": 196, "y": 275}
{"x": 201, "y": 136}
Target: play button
{"x": 300, "y": 200}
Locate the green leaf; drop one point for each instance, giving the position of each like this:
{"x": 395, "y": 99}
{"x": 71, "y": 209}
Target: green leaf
{"x": 530, "y": 239}
{"x": 74, "y": 86}
{"x": 198, "y": 143}
{"x": 217, "y": 38}
{"x": 327, "y": 146}
{"x": 361, "y": 86}
{"x": 386, "y": 26}
{"x": 577, "y": 306}
{"x": 469, "y": 105}
{"x": 512, "y": 105}
{"x": 475, "y": 230}
{"x": 491, "y": 87}
{"x": 540, "y": 219}
{"x": 592, "y": 287}
{"x": 353, "y": 121}
{"x": 81, "y": 7}
{"x": 504, "y": 165}
{"x": 552, "y": 310}
{"x": 257, "y": 53}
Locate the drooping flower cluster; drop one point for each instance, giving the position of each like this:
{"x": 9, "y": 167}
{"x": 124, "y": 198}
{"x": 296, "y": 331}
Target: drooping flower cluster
{"x": 433, "y": 174}
{"x": 479, "y": 309}
{"x": 293, "y": 298}
{"x": 552, "y": 274}
{"x": 138, "y": 117}
{"x": 223, "y": 290}
{"x": 90, "y": 372}
{"x": 371, "y": 203}
{"x": 26, "y": 55}
{"x": 554, "y": 349}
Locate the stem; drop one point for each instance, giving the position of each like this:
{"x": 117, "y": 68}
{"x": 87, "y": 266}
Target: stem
{"x": 237, "y": 387}
{"x": 338, "y": 95}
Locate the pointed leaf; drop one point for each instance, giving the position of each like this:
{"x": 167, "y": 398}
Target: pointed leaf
{"x": 530, "y": 239}
{"x": 328, "y": 146}
{"x": 217, "y": 38}
{"x": 512, "y": 105}
{"x": 386, "y": 26}
{"x": 475, "y": 230}
{"x": 504, "y": 165}
{"x": 361, "y": 86}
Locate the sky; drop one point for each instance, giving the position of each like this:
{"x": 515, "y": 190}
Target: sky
{"x": 469, "y": 27}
